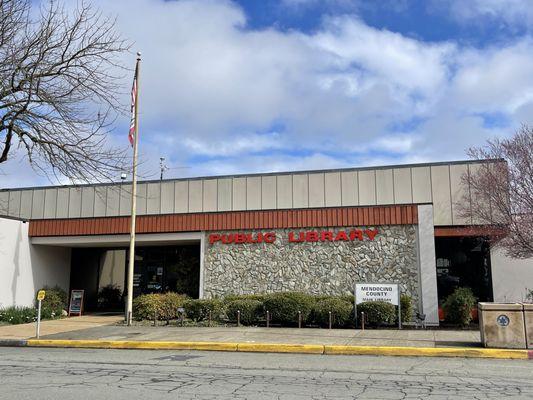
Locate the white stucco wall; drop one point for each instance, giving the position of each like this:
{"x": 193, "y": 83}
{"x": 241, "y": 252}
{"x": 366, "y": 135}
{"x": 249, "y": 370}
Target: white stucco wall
{"x": 510, "y": 277}
{"x": 25, "y": 268}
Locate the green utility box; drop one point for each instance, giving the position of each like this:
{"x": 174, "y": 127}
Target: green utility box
{"x": 502, "y": 325}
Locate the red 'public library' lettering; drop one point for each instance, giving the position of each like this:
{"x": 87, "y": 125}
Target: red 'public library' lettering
{"x": 294, "y": 237}
{"x": 240, "y": 238}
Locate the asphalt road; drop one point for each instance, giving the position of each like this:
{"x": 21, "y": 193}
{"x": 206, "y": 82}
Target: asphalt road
{"x": 31, "y": 373}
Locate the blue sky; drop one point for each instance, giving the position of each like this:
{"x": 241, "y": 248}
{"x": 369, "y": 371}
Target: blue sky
{"x": 254, "y": 86}
{"x": 423, "y": 19}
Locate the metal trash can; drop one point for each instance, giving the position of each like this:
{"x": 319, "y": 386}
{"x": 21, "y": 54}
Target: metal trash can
{"x": 528, "y": 321}
{"x": 502, "y": 325}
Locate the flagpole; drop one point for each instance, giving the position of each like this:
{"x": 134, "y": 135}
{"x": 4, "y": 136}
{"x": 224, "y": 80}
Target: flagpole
{"x": 131, "y": 263}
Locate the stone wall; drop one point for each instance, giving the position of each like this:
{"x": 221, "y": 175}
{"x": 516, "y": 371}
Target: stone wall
{"x": 322, "y": 267}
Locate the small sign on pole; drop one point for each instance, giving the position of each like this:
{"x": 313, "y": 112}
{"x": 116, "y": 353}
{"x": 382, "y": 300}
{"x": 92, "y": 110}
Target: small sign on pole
{"x": 387, "y": 292}
{"x": 76, "y": 302}
{"x": 40, "y": 297}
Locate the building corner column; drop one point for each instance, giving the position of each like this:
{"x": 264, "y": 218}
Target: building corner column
{"x": 427, "y": 264}
{"x": 202, "y": 256}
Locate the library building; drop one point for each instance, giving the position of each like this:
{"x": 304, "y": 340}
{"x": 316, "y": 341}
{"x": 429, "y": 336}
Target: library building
{"x": 319, "y": 232}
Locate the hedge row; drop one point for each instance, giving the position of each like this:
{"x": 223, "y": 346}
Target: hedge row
{"x": 284, "y": 308}
{"x": 52, "y": 307}
{"x": 22, "y": 315}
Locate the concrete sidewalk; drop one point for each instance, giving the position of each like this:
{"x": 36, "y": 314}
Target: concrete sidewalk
{"x": 105, "y": 327}
{"x": 347, "y": 337}
{"x": 57, "y": 326}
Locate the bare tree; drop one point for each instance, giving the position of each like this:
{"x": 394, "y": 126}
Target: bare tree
{"x": 59, "y": 85}
{"x": 502, "y": 192}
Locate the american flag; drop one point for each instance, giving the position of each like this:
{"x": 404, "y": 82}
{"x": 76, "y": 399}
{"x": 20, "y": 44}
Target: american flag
{"x": 133, "y": 120}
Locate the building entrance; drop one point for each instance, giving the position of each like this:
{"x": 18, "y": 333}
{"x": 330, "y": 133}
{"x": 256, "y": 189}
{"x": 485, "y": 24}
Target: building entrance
{"x": 463, "y": 262}
{"x": 167, "y": 269}
{"x": 102, "y": 273}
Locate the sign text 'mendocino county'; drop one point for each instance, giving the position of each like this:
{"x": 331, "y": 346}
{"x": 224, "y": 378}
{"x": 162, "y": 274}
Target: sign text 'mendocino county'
{"x": 294, "y": 237}
{"x": 388, "y": 292}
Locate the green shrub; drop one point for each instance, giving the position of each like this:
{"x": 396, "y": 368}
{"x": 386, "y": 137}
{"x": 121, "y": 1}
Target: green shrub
{"x": 377, "y": 313}
{"x": 341, "y": 311}
{"x": 198, "y": 309}
{"x": 18, "y": 315}
{"x": 458, "y": 306}
{"x": 165, "y": 305}
{"x": 55, "y": 299}
{"x": 23, "y": 315}
{"x": 407, "y": 308}
{"x": 284, "y": 306}
{"x": 170, "y": 303}
{"x": 50, "y": 313}
{"x": 251, "y": 310}
{"x": 348, "y": 298}
{"x": 110, "y": 296}
{"x": 146, "y": 306}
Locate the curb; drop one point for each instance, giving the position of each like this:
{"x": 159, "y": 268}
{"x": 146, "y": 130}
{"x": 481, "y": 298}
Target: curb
{"x": 280, "y": 348}
{"x": 130, "y": 344}
{"x": 13, "y": 343}
{"x": 464, "y": 352}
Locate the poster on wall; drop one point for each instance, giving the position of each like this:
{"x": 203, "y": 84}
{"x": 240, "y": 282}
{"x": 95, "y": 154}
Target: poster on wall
{"x": 76, "y": 302}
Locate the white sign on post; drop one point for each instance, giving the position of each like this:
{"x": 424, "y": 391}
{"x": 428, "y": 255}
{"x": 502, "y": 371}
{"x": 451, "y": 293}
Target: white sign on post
{"x": 41, "y": 294}
{"x": 387, "y": 292}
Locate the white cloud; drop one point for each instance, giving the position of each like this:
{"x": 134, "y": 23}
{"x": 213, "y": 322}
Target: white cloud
{"x": 224, "y": 81}
{"x": 513, "y": 12}
{"x": 396, "y": 144}
{"x": 250, "y": 143}
{"x": 406, "y": 64}
{"x": 495, "y": 79}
